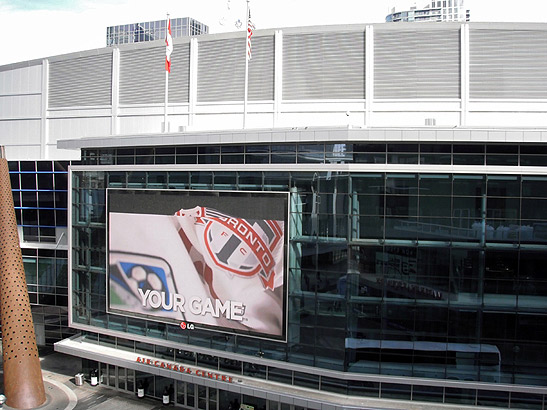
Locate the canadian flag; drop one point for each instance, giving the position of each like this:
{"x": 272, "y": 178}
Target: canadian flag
{"x": 168, "y": 47}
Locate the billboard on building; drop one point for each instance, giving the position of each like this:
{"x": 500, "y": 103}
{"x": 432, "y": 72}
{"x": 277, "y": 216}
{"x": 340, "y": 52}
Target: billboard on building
{"x": 203, "y": 259}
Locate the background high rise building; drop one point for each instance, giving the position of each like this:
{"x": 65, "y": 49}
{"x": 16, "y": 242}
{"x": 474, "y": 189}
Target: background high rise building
{"x": 153, "y": 30}
{"x": 437, "y": 10}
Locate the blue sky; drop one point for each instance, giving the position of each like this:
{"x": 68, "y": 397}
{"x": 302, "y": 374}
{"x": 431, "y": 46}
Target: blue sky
{"x": 29, "y": 5}
{"x": 33, "y": 29}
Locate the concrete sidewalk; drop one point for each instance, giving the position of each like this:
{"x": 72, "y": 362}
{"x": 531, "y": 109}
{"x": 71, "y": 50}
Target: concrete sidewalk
{"x": 62, "y": 393}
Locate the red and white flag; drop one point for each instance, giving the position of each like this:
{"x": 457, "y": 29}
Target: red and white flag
{"x": 168, "y": 47}
{"x": 250, "y": 28}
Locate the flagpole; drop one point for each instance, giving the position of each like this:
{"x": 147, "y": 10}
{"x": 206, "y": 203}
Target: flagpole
{"x": 165, "y": 123}
{"x": 246, "y": 67}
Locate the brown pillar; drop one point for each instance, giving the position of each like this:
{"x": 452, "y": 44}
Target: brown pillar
{"x": 23, "y": 384}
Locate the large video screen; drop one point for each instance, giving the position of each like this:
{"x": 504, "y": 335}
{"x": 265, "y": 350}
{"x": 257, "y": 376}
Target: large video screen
{"x": 201, "y": 259}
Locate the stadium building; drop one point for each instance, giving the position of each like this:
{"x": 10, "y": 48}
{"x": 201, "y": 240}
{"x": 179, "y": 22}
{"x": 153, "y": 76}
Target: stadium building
{"x": 377, "y": 230}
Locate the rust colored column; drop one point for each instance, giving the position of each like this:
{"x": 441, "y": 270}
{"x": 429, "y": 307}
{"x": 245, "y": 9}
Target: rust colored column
{"x": 23, "y": 384}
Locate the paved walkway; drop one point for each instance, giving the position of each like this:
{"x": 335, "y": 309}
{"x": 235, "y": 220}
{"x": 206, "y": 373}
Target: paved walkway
{"x": 62, "y": 393}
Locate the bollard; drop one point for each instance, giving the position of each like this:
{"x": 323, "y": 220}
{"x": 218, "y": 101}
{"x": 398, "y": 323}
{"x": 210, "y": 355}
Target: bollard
{"x": 94, "y": 377}
{"x": 79, "y": 379}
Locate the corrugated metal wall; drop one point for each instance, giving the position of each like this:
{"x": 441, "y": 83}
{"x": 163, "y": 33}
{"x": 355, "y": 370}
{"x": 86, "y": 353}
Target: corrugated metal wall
{"x": 142, "y": 75}
{"x": 508, "y": 63}
{"x": 83, "y": 81}
{"x": 417, "y": 63}
{"x": 221, "y": 70}
{"x": 324, "y": 66}
{"x": 262, "y": 69}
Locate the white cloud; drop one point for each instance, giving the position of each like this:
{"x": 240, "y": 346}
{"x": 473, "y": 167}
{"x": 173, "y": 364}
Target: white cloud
{"x": 30, "y": 34}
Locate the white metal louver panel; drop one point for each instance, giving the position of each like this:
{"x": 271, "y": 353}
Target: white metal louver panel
{"x": 81, "y": 81}
{"x": 416, "y": 63}
{"x": 142, "y": 75}
{"x": 262, "y": 69}
{"x": 507, "y": 63}
{"x": 221, "y": 70}
{"x": 324, "y": 66}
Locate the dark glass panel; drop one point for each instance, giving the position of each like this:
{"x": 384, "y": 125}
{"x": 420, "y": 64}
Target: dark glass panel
{"x": 334, "y": 385}
{"x": 61, "y": 181}
{"x": 178, "y": 180}
{"x": 533, "y": 149}
{"x": 436, "y": 148}
{"x": 202, "y": 180}
{"x": 401, "y": 228}
{"x": 30, "y": 217}
{"x": 502, "y": 149}
{"x": 468, "y": 159}
{"x": 157, "y": 179}
{"x": 209, "y": 149}
{"x": 402, "y": 147}
{"x": 276, "y": 181}
{"x": 233, "y": 149}
{"x": 402, "y": 158}
{"x": 506, "y": 186}
{"x": 27, "y": 166}
{"x": 533, "y": 160}
{"x": 403, "y": 205}
{"x": 232, "y": 159}
{"x": 257, "y": 149}
{"x": 372, "y": 184}
{"x": 459, "y": 396}
{"x": 534, "y": 187}
{"x": 250, "y": 180}
{"x": 502, "y": 208}
{"x": 469, "y": 185}
{"x": 165, "y": 150}
{"x": 435, "y": 185}
{"x": 13, "y": 166}
{"x": 283, "y": 149}
{"x": 402, "y": 184}
{"x": 283, "y": 158}
{"x": 468, "y": 148}
{"x": 208, "y": 159}
{"x": 534, "y": 209}
{"x": 504, "y": 160}
{"x": 187, "y": 150}
{"x": 28, "y": 180}
{"x": 47, "y": 217}
{"x": 437, "y": 159}
{"x": 526, "y": 400}
{"x": 46, "y": 199}
{"x": 306, "y": 380}
{"x": 493, "y": 398}
{"x": 369, "y": 158}
{"x": 187, "y": 159}
{"x": 435, "y": 206}
{"x": 395, "y": 391}
{"x": 254, "y": 370}
{"x": 14, "y": 180}
{"x": 257, "y": 158}
{"x": 369, "y": 205}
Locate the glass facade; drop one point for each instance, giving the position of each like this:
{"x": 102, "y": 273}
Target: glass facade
{"x": 153, "y": 30}
{"x": 430, "y": 275}
{"x": 40, "y": 196}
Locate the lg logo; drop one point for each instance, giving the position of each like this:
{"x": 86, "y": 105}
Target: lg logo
{"x": 184, "y": 326}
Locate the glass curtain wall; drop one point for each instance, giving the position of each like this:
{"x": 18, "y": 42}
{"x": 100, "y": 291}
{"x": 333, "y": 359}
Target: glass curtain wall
{"x": 428, "y": 275}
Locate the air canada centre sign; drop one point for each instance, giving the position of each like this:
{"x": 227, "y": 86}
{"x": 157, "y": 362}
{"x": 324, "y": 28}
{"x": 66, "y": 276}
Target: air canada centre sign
{"x": 215, "y": 259}
{"x": 175, "y": 367}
